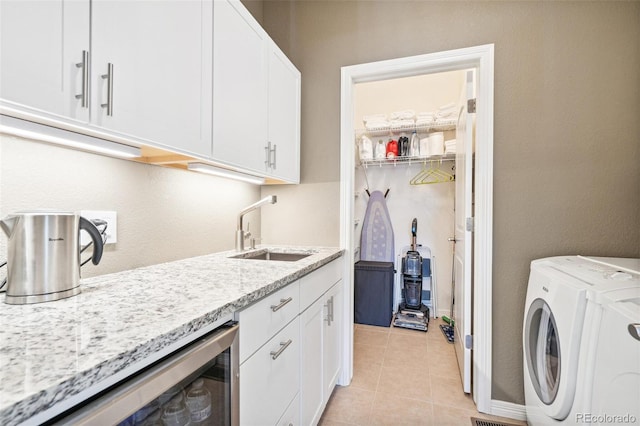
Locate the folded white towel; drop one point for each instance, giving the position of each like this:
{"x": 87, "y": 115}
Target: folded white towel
{"x": 399, "y": 124}
{"x": 375, "y": 117}
{"x": 408, "y": 114}
{"x": 376, "y": 125}
{"x": 450, "y": 142}
{"x": 424, "y": 122}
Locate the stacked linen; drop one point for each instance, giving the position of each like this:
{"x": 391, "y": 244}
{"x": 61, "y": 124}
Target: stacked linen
{"x": 447, "y": 113}
{"x": 402, "y": 119}
{"x": 450, "y": 146}
{"x": 375, "y": 122}
{"x": 425, "y": 119}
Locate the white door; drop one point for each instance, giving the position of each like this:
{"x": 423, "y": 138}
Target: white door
{"x": 40, "y": 44}
{"x": 464, "y": 235}
{"x": 161, "y": 75}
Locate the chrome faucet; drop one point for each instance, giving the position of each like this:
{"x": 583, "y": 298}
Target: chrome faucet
{"x": 241, "y": 235}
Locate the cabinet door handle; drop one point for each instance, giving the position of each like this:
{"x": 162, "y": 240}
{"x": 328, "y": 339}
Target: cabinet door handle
{"x": 267, "y": 155}
{"x": 331, "y": 307}
{"x": 328, "y": 306}
{"x": 283, "y": 302}
{"x": 109, "y": 77}
{"x": 273, "y": 164}
{"x": 84, "y": 95}
{"x": 283, "y": 346}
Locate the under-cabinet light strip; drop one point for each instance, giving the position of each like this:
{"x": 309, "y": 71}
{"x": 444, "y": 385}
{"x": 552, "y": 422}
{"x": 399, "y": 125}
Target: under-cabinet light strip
{"x": 212, "y": 170}
{"x": 29, "y": 130}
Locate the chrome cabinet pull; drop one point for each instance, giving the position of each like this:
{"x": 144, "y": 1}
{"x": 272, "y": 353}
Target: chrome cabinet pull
{"x": 328, "y": 318}
{"x": 267, "y": 155}
{"x": 84, "y": 95}
{"x": 283, "y": 346}
{"x": 283, "y": 302}
{"x": 109, "y": 77}
{"x": 273, "y": 164}
{"x": 331, "y": 307}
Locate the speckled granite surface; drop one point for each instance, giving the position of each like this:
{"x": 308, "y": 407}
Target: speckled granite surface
{"x": 54, "y": 350}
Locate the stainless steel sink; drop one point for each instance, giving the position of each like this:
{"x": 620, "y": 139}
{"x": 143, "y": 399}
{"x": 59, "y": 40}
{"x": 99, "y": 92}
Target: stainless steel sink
{"x": 273, "y": 255}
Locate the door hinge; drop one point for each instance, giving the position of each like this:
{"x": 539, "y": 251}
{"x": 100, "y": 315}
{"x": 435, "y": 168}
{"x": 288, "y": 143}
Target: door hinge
{"x": 470, "y": 224}
{"x": 471, "y": 106}
{"x": 468, "y": 341}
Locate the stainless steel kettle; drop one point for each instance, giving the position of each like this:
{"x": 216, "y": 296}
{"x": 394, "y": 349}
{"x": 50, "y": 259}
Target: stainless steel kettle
{"x": 43, "y": 255}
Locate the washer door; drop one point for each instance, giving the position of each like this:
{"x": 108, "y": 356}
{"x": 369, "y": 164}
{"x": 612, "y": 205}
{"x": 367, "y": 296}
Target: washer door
{"x": 542, "y": 350}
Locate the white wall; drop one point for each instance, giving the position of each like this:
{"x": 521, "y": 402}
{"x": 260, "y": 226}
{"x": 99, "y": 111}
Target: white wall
{"x": 431, "y": 204}
{"x": 163, "y": 214}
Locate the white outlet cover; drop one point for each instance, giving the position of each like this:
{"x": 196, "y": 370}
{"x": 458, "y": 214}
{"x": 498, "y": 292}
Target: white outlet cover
{"x": 112, "y": 225}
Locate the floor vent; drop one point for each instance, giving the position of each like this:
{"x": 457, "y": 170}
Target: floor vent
{"x": 482, "y": 422}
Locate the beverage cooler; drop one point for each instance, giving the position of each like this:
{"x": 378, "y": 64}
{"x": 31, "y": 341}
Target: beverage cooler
{"x": 197, "y": 385}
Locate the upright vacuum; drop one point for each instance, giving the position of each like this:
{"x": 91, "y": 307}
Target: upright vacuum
{"x": 412, "y": 313}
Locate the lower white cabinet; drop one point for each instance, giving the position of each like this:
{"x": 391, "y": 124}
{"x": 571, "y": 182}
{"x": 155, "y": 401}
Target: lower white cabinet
{"x": 269, "y": 378}
{"x": 320, "y": 326}
{"x": 332, "y": 341}
{"x": 290, "y": 347}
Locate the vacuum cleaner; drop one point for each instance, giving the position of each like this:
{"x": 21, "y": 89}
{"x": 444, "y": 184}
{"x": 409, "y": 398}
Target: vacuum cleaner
{"x": 412, "y": 313}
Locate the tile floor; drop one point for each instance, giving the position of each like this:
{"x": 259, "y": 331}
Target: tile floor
{"x": 390, "y": 388}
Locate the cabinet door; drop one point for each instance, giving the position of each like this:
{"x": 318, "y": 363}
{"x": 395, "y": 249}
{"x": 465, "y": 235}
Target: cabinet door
{"x": 284, "y": 116}
{"x": 161, "y": 76}
{"x": 239, "y": 88}
{"x": 311, "y": 352}
{"x": 40, "y": 44}
{"x": 332, "y": 349}
{"x": 270, "y": 378}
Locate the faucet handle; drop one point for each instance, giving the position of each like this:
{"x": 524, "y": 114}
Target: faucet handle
{"x": 253, "y": 241}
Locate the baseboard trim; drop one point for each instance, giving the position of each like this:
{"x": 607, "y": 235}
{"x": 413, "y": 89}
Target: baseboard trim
{"x": 508, "y": 410}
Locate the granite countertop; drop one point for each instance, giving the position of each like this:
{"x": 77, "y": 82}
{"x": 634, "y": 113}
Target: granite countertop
{"x": 52, "y": 351}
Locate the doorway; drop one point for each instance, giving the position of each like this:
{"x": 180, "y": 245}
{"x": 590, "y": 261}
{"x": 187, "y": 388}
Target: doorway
{"x": 479, "y": 58}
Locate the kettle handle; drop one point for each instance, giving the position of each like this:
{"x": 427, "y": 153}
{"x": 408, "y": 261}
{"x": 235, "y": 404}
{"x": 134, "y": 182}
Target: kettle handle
{"x": 93, "y": 232}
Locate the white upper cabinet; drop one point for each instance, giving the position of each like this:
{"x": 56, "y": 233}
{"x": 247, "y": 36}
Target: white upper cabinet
{"x": 284, "y": 116}
{"x": 199, "y": 77}
{"x": 239, "y": 88}
{"x": 151, "y": 71}
{"x": 256, "y": 97}
{"x": 41, "y": 56}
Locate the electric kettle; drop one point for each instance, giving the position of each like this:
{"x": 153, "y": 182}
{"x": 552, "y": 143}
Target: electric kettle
{"x": 43, "y": 255}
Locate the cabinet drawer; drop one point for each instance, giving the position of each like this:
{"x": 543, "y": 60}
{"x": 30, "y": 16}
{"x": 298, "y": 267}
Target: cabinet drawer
{"x": 260, "y": 321}
{"x": 291, "y": 417}
{"x": 315, "y": 284}
{"x": 268, "y": 385}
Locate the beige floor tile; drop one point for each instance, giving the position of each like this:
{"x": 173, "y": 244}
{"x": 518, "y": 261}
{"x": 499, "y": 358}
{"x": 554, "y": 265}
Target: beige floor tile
{"x": 395, "y": 410}
{"x": 443, "y": 364}
{"x": 349, "y": 405}
{"x": 397, "y": 355}
{"x": 367, "y": 336}
{"x": 413, "y": 383}
{"x": 448, "y": 391}
{"x": 366, "y": 375}
{"x": 415, "y": 339}
{"x": 444, "y": 415}
{"x": 369, "y": 354}
{"x": 372, "y": 328}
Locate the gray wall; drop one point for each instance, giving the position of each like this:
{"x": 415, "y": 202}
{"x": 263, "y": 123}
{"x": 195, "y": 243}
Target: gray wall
{"x": 566, "y": 129}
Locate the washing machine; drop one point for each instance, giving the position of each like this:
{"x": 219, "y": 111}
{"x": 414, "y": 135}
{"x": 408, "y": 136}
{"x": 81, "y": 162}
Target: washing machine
{"x": 566, "y": 298}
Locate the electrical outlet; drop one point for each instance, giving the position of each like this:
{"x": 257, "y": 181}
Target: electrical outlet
{"x": 112, "y": 225}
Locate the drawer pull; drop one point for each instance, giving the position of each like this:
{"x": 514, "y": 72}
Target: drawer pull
{"x": 283, "y": 302}
{"x": 283, "y": 346}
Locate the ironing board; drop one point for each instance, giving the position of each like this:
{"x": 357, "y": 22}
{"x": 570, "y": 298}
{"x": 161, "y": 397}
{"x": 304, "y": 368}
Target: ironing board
{"x": 376, "y": 240}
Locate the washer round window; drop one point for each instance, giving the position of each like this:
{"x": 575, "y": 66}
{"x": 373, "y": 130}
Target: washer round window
{"x": 542, "y": 349}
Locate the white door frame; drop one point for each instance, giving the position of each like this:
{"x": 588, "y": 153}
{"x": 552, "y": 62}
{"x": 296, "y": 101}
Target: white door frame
{"x": 482, "y": 59}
